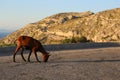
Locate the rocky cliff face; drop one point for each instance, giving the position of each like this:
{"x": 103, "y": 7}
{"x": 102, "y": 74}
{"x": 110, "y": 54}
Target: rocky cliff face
{"x": 100, "y": 27}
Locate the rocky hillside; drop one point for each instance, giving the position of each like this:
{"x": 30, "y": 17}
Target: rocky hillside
{"x": 100, "y": 27}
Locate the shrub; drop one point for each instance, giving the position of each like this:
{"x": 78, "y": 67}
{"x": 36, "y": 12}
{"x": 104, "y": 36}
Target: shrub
{"x": 67, "y": 40}
{"x": 82, "y": 39}
{"x": 75, "y": 40}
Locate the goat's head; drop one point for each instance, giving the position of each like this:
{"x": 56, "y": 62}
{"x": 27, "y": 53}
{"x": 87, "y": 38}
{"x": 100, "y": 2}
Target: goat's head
{"x": 45, "y": 57}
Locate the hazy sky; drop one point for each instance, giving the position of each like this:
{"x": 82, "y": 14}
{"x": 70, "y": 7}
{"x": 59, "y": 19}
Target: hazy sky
{"x": 15, "y": 14}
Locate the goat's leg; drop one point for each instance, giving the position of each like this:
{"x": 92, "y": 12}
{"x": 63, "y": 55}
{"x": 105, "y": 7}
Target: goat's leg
{"x": 22, "y": 49}
{"x": 16, "y": 50}
{"x": 36, "y": 56}
{"x": 29, "y": 56}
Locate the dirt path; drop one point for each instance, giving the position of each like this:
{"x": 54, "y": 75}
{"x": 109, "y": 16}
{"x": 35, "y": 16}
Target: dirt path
{"x": 84, "y": 64}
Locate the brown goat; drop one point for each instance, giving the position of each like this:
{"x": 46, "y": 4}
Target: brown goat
{"x": 26, "y": 42}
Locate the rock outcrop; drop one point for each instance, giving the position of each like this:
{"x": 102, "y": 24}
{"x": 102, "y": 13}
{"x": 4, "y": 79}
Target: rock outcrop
{"x": 100, "y": 27}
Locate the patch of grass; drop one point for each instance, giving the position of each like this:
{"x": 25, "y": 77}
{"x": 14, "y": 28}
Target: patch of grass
{"x": 5, "y": 45}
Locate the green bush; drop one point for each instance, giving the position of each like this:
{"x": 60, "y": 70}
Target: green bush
{"x": 66, "y": 41}
{"x": 75, "y": 40}
{"x": 82, "y": 39}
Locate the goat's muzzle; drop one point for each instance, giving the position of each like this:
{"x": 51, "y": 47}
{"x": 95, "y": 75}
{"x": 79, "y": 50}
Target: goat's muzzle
{"x": 45, "y": 57}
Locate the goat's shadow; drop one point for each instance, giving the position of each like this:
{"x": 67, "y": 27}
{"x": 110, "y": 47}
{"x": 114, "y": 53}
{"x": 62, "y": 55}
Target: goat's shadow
{"x": 84, "y": 61}
{"x": 68, "y": 61}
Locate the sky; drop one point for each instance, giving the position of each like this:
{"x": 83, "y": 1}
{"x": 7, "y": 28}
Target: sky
{"x": 15, "y": 14}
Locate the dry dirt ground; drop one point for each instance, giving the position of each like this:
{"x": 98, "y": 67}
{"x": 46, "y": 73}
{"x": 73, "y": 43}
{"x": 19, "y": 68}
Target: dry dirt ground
{"x": 82, "y": 64}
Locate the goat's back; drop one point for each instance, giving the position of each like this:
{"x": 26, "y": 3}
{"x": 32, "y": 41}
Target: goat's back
{"x": 26, "y": 41}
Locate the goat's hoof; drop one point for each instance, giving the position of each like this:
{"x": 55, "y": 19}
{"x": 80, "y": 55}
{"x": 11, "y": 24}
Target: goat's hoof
{"x": 25, "y": 60}
{"x": 28, "y": 60}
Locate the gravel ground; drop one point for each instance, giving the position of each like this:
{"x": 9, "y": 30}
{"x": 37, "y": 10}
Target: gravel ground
{"x": 82, "y": 64}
